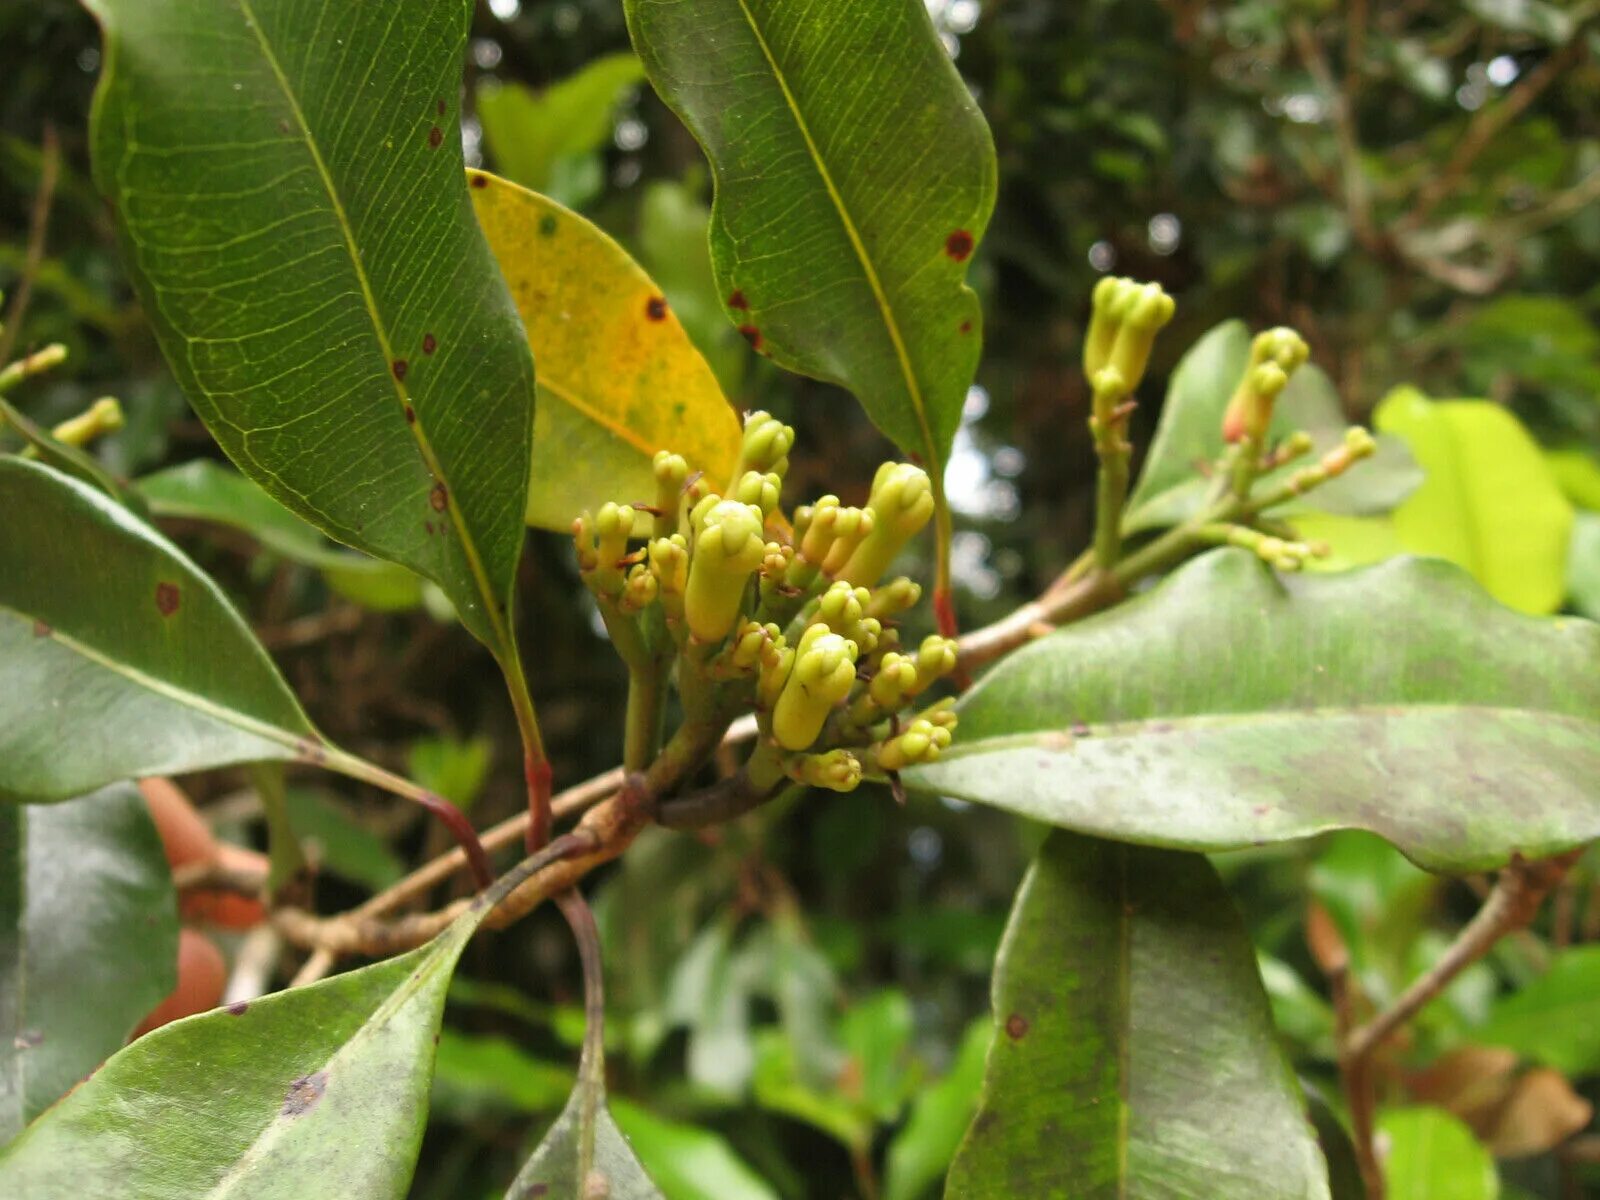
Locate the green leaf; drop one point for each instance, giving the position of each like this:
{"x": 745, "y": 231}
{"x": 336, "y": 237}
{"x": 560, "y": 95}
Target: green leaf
{"x": 1583, "y": 565}
{"x": 688, "y": 1162}
{"x": 292, "y": 206}
{"x": 536, "y": 136}
{"x": 474, "y": 1075}
{"x": 320, "y": 1090}
{"x": 1229, "y": 708}
{"x": 88, "y": 941}
{"x": 455, "y": 768}
{"x": 1188, "y": 438}
{"x": 618, "y": 377}
{"x": 149, "y": 671}
{"x": 562, "y": 1168}
{"x": 1556, "y": 1018}
{"x": 854, "y": 176}
{"x": 1134, "y": 1054}
{"x": 338, "y": 843}
{"x": 1432, "y": 1155}
{"x": 921, "y": 1152}
{"x": 203, "y": 490}
{"x": 1490, "y": 502}
{"x": 1577, "y": 473}
{"x": 710, "y": 994}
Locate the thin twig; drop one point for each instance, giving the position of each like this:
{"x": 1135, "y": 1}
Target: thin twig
{"x": 38, "y": 225}
{"x": 1512, "y": 904}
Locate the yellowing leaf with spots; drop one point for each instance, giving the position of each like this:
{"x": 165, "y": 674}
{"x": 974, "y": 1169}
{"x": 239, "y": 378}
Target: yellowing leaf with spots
{"x": 619, "y": 378}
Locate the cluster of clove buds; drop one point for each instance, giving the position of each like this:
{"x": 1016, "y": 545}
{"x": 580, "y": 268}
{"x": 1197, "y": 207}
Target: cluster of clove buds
{"x": 748, "y": 611}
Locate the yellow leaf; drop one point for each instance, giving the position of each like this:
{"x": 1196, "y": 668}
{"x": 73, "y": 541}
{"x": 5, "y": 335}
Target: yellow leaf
{"x": 618, "y": 379}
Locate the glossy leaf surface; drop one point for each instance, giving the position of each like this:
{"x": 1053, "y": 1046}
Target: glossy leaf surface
{"x": 1172, "y": 488}
{"x": 1134, "y": 1054}
{"x": 855, "y": 175}
{"x": 148, "y": 671}
{"x": 88, "y": 941}
{"x": 318, "y": 1091}
{"x": 618, "y": 377}
{"x": 287, "y": 181}
{"x": 1230, "y": 708}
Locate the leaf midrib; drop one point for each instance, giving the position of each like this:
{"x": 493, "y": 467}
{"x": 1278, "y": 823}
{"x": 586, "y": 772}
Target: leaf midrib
{"x": 469, "y": 547}
{"x": 880, "y": 297}
{"x": 1146, "y": 727}
{"x": 228, "y": 716}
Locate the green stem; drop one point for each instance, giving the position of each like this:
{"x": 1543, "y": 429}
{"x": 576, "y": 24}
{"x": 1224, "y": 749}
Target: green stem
{"x": 642, "y": 728}
{"x": 535, "y": 762}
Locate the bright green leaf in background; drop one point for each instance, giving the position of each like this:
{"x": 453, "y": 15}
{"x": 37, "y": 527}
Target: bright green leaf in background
{"x": 687, "y": 1162}
{"x": 1555, "y": 1019}
{"x": 1189, "y": 436}
{"x": 1231, "y": 708}
{"x": 1583, "y": 565}
{"x": 1430, "y": 1155}
{"x": 338, "y": 843}
{"x": 855, "y": 175}
{"x": 1577, "y": 473}
{"x": 317, "y": 1091}
{"x": 294, "y": 214}
{"x": 149, "y": 671}
{"x": 1489, "y": 503}
{"x": 618, "y": 377}
{"x": 922, "y": 1150}
{"x": 203, "y": 490}
{"x": 88, "y": 941}
{"x": 550, "y": 140}
{"x": 1134, "y": 1055}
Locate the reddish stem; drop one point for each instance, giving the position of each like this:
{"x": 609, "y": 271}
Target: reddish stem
{"x": 539, "y": 776}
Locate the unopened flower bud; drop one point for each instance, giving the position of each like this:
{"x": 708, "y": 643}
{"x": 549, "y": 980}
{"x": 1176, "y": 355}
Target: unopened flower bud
{"x": 942, "y": 713}
{"x": 639, "y": 590}
{"x": 893, "y": 598}
{"x": 936, "y": 658}
{"x": 750, "y": 644}
{"x": 901, "y": 504}
{"x": 759, "y": 490}
{"x": 894, "y": 683}
{"x": 777, "y": 664}
{"x": 672, "y": 472}
{"x": 1111, "y": 299}
{"x": 920, "y": 743}
{"x": 1145, "y": 315}
{"x": 102, "y": 417}
{"x": 765, "y": 447}
{"x": 728, "y": 547}
{"x": 1275, "y": 355}
{"x": 824, "y": 671}
{"x": 836, "y": 770}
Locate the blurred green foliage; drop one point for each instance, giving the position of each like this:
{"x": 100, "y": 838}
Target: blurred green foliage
{"x": 1415, "y": 187}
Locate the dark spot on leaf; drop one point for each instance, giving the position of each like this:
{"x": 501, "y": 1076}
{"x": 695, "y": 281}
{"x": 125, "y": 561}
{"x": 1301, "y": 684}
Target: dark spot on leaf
{"x": 28, "y": 1039}
{"x": 304, "y": 1093}
{"x": 429, "y": 343}
{"x": 42, "y": 629}
{"x": 966, "y": 327}
{"x": 1016, "y": 1027}
{"x": 435, "y": 136}
{"x": 480, "y": 181}
{"x": 309, "y": 749}
{"x": 656, "y": 308}
{"x": 238, "y": 1008}
{"x": 438, "y": 107}
{"x": 428, "y": 525}
{"x": 411, "y": 415}
{"x": 283, "y": 125}
{"x": 439, "y": 497}
{"x": 167, "y": 598}
{"x": 547, "y": 225}
{"x": 399, "y": 369}
{"x": 539, "y": 1189}
{"x": 752, "y": 335}
{"x": 738, "y": 301}
{"x": 958, "y": 245}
